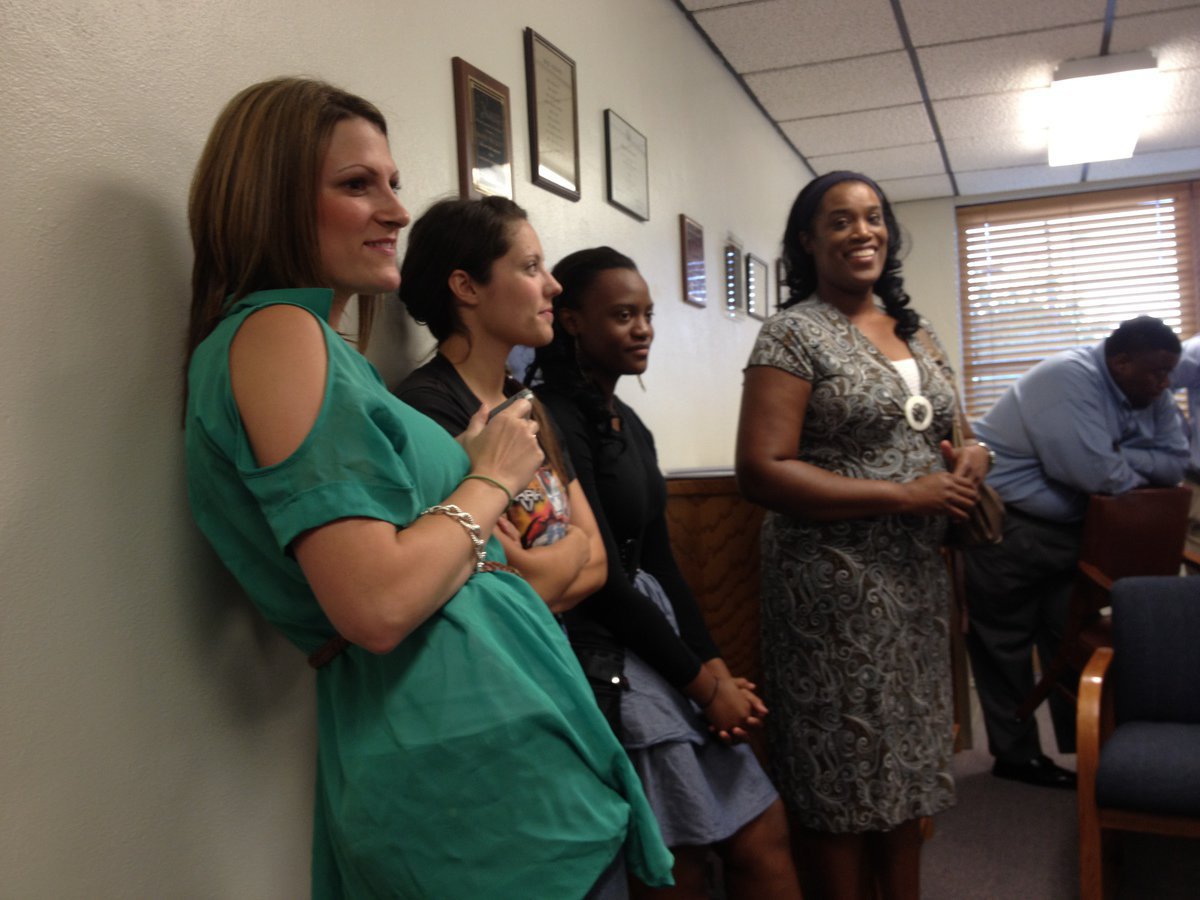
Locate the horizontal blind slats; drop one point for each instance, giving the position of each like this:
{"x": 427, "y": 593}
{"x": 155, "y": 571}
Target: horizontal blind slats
{"x": 1041, "y": 276}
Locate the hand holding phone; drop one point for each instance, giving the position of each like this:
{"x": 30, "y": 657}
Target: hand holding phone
{"x": 523, "y": 394}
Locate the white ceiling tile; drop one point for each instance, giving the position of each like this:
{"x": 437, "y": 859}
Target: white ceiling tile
{"x": 1172, "y": 162}
{"x": 1183, "y": 90}
{"x": 998, "y": 65}
{"x": 972, "y": 116}
{"x": 1132, "y": 7}
{"x": 870, "y": 129}
{"x": 997, "y": 151}
{"x": 837, "y": 87}
{"x": 941, "y": 21}
{"x": 827, "y": 73}
{"x": 1016, "y": 179}
{"x": 1175, "y": 91}
{"x": 780, "y": 33}
{"x": 1172, "y": 36}
{"x": 1170, "y": 132}
{"x": 926, "y": 186}
{"x": 890, "y": 162}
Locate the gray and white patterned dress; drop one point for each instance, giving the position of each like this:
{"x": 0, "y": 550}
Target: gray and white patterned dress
{"x": 855, "y": 612}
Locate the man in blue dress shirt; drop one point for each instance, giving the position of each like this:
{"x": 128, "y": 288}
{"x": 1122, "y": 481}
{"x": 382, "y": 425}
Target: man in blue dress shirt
{"x": 1093, "y": 420}
{"x": 1187, "y": 375}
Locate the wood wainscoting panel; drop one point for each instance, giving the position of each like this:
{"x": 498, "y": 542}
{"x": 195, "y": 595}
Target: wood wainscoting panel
{"x": 714, "y": 533}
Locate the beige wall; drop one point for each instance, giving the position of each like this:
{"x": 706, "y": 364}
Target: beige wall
{"x": 157, "y": 738}
{"x": 931, "y": 266}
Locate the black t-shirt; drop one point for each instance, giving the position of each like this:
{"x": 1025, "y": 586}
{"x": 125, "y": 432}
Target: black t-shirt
{"x": 619, "y": 475}
{"x": 541, "y": 510}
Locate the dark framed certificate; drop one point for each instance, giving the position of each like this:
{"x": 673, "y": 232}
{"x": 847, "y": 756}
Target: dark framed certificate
{"x": 627, "y": 163}
{"x": 553, "y": 116}
{"x": 481, "y": 113}
{"x": 691, "y": 251}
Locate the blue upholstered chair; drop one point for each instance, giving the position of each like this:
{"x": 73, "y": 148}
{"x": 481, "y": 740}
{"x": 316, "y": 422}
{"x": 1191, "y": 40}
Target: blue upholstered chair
{"x": 1139, "y": 724}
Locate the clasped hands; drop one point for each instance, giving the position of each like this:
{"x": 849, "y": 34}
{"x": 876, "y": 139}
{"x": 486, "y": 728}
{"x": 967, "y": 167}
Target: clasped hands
{"x": 735, "y": 707}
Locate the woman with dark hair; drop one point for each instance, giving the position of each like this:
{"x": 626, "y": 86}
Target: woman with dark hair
{"x": 460, "y": 753}
{"x": 679, "y": 711}
{"x": 845, "y": 408}
{"x": 475, "y": 275}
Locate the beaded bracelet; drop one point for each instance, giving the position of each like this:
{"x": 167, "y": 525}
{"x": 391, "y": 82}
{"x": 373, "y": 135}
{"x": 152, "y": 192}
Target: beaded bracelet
{"x": 492, "y": 481}
{"x": 474, "y": 532}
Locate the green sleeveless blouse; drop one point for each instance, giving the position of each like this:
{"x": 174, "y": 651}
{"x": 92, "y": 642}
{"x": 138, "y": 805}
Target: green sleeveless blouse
{"x": 471, "y": 761}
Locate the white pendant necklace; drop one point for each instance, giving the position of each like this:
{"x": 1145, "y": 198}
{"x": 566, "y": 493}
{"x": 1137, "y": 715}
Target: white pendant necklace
{"x": 918, "y": 412}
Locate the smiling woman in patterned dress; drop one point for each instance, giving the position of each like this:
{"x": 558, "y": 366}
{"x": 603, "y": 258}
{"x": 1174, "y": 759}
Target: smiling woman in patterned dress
{"x": 840, "y": 437}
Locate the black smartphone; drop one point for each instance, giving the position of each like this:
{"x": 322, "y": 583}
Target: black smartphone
{"x": 523, "y": 394}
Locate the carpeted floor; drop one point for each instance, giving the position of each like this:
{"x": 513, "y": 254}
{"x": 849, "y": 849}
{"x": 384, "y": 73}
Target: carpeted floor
{"x": 1009, "y": 840}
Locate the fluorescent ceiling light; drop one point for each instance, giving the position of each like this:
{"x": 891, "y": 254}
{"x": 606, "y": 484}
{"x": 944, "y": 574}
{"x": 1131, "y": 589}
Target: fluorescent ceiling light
{"x": 1097, "y": 106}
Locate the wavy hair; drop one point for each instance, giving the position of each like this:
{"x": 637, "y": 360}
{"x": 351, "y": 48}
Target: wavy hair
{"x": 801, "y": 268}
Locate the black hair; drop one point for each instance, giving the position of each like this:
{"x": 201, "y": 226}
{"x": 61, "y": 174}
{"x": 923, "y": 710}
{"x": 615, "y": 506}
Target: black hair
{"x": 556, "y": 365}
{"x": 1143, "y": 334}
{"x": 453, "y": 234}
{"x": 801, "y": 268}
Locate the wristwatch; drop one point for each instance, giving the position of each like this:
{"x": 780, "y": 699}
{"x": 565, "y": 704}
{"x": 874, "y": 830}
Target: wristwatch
{"x": 990, "y": 452}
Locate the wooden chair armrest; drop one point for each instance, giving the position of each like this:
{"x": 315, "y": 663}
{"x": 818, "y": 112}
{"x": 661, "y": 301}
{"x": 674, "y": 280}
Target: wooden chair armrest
{"x": 1093, "y": 725}
{"x": 1191, "y": 559}
{"x": 1095, "y": 576}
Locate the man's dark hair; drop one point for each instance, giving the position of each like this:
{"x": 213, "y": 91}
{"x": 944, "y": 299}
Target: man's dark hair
{"x": 1141, "y": 335}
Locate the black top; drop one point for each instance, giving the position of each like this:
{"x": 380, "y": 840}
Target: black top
{"x": 437, "y": 390}
{"x": 619, "y": 474}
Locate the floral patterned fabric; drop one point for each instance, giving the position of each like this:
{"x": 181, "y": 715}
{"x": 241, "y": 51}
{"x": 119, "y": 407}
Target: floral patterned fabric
{"x": 855, "y": 612}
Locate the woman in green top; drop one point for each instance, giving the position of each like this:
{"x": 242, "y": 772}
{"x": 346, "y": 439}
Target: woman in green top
{"x": 461, "y": 754}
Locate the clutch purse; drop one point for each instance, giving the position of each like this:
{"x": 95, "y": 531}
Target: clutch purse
{"x": 985, "y": 524}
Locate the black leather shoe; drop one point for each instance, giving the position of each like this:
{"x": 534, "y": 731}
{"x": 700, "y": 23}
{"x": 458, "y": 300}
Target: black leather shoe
{"x": 1041, "y": 771}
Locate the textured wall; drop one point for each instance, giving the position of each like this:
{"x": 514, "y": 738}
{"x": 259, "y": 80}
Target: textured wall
{"x": 157, "y": 738}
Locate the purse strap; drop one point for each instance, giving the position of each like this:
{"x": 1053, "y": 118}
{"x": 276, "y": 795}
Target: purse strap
{"x": 957, "y": 431}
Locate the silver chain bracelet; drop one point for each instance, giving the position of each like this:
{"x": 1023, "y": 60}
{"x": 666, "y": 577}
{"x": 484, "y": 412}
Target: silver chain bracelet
{"x": 474, "y": 532}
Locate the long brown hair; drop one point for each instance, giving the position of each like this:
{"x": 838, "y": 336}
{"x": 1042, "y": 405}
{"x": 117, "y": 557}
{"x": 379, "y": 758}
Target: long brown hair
{"x": 252, "y": 209}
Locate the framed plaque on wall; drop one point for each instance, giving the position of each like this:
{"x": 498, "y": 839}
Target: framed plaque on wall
{"x": 627, "y": 163}
{"x": 735, "y": 282}
{"x": 553, "y": 116}
{"x": 691, "y": 251}
{"x": 757, "y": 286}
{"x": 481, "y": 113}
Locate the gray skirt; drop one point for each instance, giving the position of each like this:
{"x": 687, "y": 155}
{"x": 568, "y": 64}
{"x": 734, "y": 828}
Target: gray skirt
{"x": 702, "y": 791}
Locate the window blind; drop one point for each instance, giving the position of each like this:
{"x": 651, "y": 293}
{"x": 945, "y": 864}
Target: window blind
{"x": 1041, "y": 276}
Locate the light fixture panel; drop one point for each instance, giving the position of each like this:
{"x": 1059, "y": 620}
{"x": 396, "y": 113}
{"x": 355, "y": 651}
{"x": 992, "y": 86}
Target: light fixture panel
{"x": 1098, "y": 106}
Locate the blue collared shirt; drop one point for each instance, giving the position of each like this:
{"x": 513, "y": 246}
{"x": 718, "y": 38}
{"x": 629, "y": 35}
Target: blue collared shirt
{"x": 1187, "y": 375}
{"x": 1065, "y": 430}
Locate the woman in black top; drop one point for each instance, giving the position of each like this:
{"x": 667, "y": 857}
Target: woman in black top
{"x": 474, "y": 274}
{"x": 682, "y": 713}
